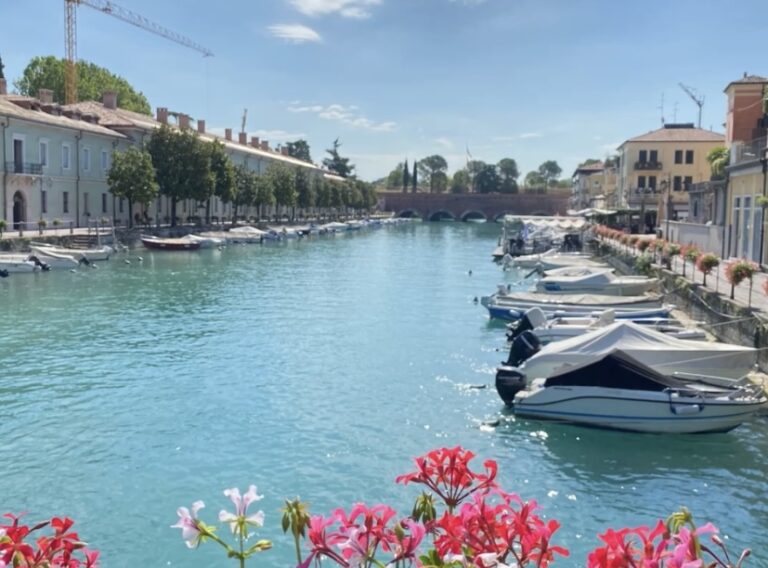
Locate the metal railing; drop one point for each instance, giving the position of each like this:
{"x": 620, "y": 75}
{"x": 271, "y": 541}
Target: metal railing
{"x": 752, "y": 151}
{"x": 648, "y": 165}
{"x": 24, "y": 168}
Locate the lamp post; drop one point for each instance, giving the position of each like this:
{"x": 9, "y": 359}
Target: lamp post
{"x": 665, "y": 189}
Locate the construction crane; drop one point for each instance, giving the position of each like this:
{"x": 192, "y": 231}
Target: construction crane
{"x": 70, "y": 9}
{"x": 698, "y": 100}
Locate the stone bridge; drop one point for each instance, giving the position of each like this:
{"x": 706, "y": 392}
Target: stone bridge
{"x": 471, "y": 206}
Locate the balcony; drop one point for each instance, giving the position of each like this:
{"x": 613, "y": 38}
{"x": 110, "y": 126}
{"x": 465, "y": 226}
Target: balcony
{"x": 24, "y": 168}
{"x": 643, "y": 195}
{"x": 744, "y": 152}
{"x": 648, "y": 165}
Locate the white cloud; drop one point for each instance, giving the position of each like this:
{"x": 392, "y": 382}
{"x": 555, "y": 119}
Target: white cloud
{"x": 444, "y": 142}
{"x": 356, "y": 9}
{"x": 295, "y": 33}
{"x": 468, "y": 2}
{"x": 514, "y": 138}
{"x": 611, "y": 148}
{"x": 348, "y": 115}
{"x": 528, "y": 135}
{"x": 263, "y": 134}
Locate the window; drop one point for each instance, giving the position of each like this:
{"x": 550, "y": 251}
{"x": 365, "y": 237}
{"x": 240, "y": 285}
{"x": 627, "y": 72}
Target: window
{"x": 689, "y": 156}
{"x": 652, "y": 183}
{"x": 654, "y": 156}
{"x": 65, "y": 202}
{"x": 695, "y": 209}
{"x": 103, "y": 202}
{"x": 86, "y": 159}
{"x": 641, "y": 182}
{"x": 688, "y": 182}
{"x": 120, "y": 204}
{"x": 643, "y": 156}
{"x": 677, "y": 183}
{"x": 18, "y": 153}
{"x": 44, "y": 201}
{"x": 104, "y": 160}
{"x": 85, "y": 204}
{"x": 44, "y": 153}
{"x": 65, "y": 155}
{"x": 678, "y": 156}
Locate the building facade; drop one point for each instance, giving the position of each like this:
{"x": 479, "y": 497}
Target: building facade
{"x": 56, "y": 160}
{"x": 657, "y": 169}
{"x": 594, "y": 186}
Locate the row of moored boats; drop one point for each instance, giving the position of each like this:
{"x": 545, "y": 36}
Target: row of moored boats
{"x": 591, "y": 347}
{"x": 44, "y": 257}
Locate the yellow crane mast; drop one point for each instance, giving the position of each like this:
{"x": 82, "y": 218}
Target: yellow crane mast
{"x": 116, "y": 11}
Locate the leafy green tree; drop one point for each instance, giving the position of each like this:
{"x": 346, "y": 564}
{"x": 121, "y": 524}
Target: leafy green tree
{"x": 550, "y": 171}
{"x": 415, "y": 178}
{"x": 182, "y": 165}
{"x": 304, "y": 195}
{"x": 461, "y": 182}
{"x": 509, "y": 174}
{"x": 324, "y": 194}
{"x": 439, "y": 182}
{"x": 487, "y": 180}
{"x": 224, "y": 185}
{"x": 283, "y": 183}
{"x": 299, "y": 150}
{"x": 589, "y": 162}
{"x": 430, "y": 166}
{"x": 337, "y": 198}
{"x": 336, "y": 163}
{"x": 474, "y": 167}
{"x": 2, "y": 73}
{"x": 612, "y": 161}
{"x": 265, "y": 196}
{"x": 247, "y": 189}
{"x": 48, "y": 73}
{"x": 132, "y": 176}
{"x": 718, "y": 159}
{"x": 404, "y": 175}
{"x": 534, "y": 180}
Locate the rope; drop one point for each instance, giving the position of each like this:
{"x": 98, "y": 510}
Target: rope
{"x": 695, "y": 359}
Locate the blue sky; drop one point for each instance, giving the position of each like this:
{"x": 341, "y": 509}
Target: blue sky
{"x": 527, "y": 79}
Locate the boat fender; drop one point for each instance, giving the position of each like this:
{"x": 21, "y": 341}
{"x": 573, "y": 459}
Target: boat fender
{"x": 4, "y": 273}
{"x": 509, "y": 382}
{"x": 523, "y": 348}
{"x": 685, "y": 409}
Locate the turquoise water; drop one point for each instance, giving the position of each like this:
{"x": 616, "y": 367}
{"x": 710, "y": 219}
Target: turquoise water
{"x": 314, "y": 368}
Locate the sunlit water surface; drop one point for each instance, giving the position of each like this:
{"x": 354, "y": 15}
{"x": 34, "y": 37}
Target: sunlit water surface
{"x": 316, "y": 368}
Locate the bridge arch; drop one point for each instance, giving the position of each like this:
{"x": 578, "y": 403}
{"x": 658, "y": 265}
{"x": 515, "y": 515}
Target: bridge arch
{"x": 409, "y": 214}
{"x": 540, "y": 213}
{"x": 442, "y": 215}
{"x": 473, "y": 215}
{"x": 500, "y": 216}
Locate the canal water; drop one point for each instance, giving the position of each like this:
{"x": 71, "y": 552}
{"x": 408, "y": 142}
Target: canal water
{"x": 313, "y": 368}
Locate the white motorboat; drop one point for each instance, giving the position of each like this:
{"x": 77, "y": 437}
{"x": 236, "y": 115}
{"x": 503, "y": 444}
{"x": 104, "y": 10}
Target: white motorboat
{"x": 661, "y": 352}
{"x": 619, "y": 392}
{"x": 561, "y": 328}
{"x": 55, "y": 259}
{"x": 586, "y": 280}
{"x": 335, "y": 227}
{"x": 553, "y": 261}
{"x": 355, "y": 225}
{"x": 92, "y": 254}
{"x": 207, "y": 241}
{"x": 285, "y": 232}
{"x": 246, "y": 234}
{"x": 14, "y": 263}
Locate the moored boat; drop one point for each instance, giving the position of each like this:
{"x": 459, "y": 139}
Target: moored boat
{"x": 588, "y": 280}
{"x": 171, "y": 244}
{"x": 92, "y": 254}
{"x": 14, "y": 263}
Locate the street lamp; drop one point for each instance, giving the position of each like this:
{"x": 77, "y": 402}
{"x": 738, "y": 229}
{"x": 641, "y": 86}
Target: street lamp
{"x": 664, "y": 184}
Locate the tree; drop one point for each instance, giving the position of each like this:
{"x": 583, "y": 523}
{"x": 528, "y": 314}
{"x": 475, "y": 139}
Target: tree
{"x": 718, "y": 159}
{"x": 2, "y": 74}
{"x": 324, "y": 194}
{"x": 401, "y": 173}
{"x": 439, "y": 182}
{"x": 487, "y": 180}
{"x": 474, "y": 167}
{"x": 264, "y": 194}
{"x": 283, "y": 183}
{"x": 336, "y": 163}
{"x": 461, "y": 182}
{"x": 224, "y": 184}
{"x": 550, "y": 171}
{"x": 132, "y": 176}
{"x": 509, "y": 174}
{"x": 589, "y": 162}
{"x": 304, "y": 195}
{"x": 48, "y": 73}
{"x": 534, "y": 180}
{"x": 430, "y": 166}
{"x": 247, "y": 189}
{"x": 415, "y": 178}
{"x": 299, "y": 150}
{"x": 612, "y": 162}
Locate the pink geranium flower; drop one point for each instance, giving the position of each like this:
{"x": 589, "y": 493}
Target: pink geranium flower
{"x": 189, "y": 524}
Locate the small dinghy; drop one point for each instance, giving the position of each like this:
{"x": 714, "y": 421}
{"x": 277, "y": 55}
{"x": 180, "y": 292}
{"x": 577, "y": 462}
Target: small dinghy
{"x": 619, "y": 392}
{"x": 92, "y": 254}
{"x": 157, "y": 243}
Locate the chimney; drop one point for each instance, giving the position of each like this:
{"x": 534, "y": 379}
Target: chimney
{"x": 265, "y": 145}
{"x": 184, "y": 121}
{"x": 109, "y": 99}
{"x": 284, "y": 150}
{"x": 162, "y": 115}
{"x": 3, "y": 87}
{"x": 201, "y": 126}
{"x": 45, "y": 96}
{"x": 243, "y": 138}
{"x": 255, "y": 141}
{"x": 228, "y": 134}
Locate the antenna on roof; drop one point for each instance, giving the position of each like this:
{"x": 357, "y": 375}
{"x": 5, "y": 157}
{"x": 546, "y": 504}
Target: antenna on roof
{"x": 674, "y": 113}
{"x": 699, "y": 100}
{"x": 661, "y": 108}
{"x": 245, "y": 117}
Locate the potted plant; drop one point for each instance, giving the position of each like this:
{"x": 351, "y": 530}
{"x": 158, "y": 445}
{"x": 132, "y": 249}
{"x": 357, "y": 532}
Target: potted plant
{"x": 3, "y": 226}
{"x": 739, "y": 270}
{"x": 706, "y": 263}
{"x": 691, "y": 253}
{"x": 670, "y": 252}
{"x": 41, "y": 225}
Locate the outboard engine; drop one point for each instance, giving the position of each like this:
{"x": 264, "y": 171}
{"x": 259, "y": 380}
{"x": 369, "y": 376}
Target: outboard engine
{"x": 84, "y": 261}
{"x": 4, "y": 273}
{"x": 523, "y": 347}
{"x": 39, "y": 263}
{"x": 509, "y": 382}
{"x": 532, "y": 319}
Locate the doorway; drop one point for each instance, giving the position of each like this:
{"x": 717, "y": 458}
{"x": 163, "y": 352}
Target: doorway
{"x": 19, "y": 210}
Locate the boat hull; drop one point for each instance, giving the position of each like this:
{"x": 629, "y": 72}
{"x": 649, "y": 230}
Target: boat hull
{"x": 515, "y": 312}
{"x": 636, "y": 411}
{"x": 170, "y": 244}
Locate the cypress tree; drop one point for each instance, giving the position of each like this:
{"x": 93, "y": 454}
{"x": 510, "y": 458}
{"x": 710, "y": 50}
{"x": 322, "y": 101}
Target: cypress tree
{"x": 405, "y": 176}
{"x": 415, "y": 177}
{"x": 2, "y": 75}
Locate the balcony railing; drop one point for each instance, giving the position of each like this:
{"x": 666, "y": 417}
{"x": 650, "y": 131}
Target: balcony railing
{"x": 752, "y": 151}
{"x": 24, "y": 168}
{"x": 648, "y": 165}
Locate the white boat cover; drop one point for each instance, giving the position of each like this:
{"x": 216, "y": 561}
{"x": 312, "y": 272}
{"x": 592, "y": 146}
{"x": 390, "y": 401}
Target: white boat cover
{"x": 659, "y": 351}
{"x": 597, "y": 300}
{"x": 248, "y": 230}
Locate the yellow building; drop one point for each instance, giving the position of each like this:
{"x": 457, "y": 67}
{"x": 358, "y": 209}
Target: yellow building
{"x": 657, "y": 168}
{"x": 594, "y": 186}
